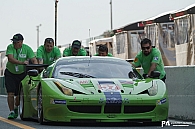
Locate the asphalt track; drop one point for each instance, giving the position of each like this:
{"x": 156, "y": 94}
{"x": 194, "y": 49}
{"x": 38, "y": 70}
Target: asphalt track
{"x": 33, "y": 124}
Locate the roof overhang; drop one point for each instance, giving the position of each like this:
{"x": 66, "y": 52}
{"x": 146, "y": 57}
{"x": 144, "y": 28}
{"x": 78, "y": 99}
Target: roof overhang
{"x": 182, "y": 12}
{"x": 132, "y": 26}
{"x": 161, "y": 18}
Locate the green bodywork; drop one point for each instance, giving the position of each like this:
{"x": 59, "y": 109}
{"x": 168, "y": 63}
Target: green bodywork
{"x": 89, "y": 101}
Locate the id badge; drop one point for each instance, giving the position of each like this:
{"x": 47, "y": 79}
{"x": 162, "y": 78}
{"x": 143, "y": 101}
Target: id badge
{"x": 16, "y": 68}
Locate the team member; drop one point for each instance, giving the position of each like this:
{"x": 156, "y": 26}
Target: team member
{"x": 75, "y": 50}
{"x": 150, "y": 59}
{"x": 103, "y": 51}
{"x": 48, "y": 53}
{"x": 18, "y": 55}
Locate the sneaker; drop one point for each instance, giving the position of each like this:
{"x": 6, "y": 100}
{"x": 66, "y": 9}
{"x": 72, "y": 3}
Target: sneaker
{"x": 11, "y": 115}
{"x": 15, "y": 112}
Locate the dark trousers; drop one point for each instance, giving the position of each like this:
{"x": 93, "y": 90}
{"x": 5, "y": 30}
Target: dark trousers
{"x": 12, "y": 81}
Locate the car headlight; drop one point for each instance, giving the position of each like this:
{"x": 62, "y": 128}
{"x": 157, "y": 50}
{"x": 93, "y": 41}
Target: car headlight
{"x": 64, "y": 89}
{"x": 153, "y": 89}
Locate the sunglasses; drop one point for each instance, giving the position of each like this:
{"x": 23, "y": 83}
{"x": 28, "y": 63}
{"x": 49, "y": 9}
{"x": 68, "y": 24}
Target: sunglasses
{"x": 143, "y": 48}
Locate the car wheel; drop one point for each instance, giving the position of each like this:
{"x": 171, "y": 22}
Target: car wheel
{"x": 40, "y": 107}
{"x": 21, "y": 106}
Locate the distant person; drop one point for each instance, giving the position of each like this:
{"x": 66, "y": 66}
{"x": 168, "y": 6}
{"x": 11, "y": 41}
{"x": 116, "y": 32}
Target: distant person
{"x": 75, "y": 50}
{"x": 150, "y": 59}
{"x": 103, "y": 51}
{"x": 18, "y": 55}
{"x": 48, "y": 53}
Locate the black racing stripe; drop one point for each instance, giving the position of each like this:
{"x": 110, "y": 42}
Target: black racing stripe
{"x": 113, "y": 98}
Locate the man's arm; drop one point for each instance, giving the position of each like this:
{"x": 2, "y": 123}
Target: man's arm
{"x": 133, "y": 64}
{"x": 40, "y": 60}
{"x": 83, "y": 52}
{"x": 15, "y": 61}
{"x": 58, "y": 54}
{"x": 66, "y": 52}
{"x": 152, "y": 68}
{"x": 136, "y": 62}
{"x": 154, "y": 62}
{"x": 34, "y": 60}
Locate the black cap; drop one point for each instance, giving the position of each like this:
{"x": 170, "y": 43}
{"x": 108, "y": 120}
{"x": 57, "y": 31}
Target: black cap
{"x": 17, "y": 37}
{"x": 49, "y": 40}
{"x": 76, "y": 44}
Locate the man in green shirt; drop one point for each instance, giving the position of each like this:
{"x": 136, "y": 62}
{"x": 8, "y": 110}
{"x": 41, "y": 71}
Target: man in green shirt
{"x": 103, "y": 51}
{"x": 48, "y": 53}
{"x": 150, "y": 59}
{"x": 18, "y": 55}
{"x": 75, "y": 50}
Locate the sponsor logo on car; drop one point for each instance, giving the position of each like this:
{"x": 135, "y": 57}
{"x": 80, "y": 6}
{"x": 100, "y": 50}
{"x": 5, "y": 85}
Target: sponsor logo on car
{"x": 162, "y": 101}
{"x": 113, "y": 98}
{"x": 84, "y": 82}
{"x": 53, "y": 101}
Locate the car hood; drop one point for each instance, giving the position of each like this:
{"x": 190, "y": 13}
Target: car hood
{"x": 98, "y": 85}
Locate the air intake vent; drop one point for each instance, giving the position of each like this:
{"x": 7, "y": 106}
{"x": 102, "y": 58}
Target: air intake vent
{"x": 111, "y": 108}
{"x": 84, "y": 109}
{"x": 138, "y": 109}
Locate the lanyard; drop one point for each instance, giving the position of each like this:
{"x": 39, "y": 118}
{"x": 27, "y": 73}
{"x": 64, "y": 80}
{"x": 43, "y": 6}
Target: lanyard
{"x": 18, "y": 54}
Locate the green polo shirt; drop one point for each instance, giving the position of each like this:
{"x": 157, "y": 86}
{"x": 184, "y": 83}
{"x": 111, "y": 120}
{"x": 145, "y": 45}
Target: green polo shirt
{"x": 145, "y": 61}
{"x": 48, "y": 57}
{"x": 22, "y": 54}
{"x": 68, "y": 52}
{"x": 109, "y": 54}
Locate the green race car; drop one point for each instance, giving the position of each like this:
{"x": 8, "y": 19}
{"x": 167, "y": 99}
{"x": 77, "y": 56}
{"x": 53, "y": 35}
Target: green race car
{"x": 91, "y": 89}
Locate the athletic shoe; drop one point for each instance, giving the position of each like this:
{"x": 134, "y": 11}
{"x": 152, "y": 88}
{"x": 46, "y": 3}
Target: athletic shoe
{"x": 11, "y": 115}
{"x": 16, "y": 112}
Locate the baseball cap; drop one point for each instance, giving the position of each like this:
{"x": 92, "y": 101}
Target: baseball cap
{"x": 17, "y": 37}
{"x": 49, "y": 40}
{"x": 76, "y": 44}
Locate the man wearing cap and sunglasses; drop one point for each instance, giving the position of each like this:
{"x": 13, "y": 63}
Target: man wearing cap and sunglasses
{"x": 48, "y": 53}
{"x": 150, "y": 59}
{"x": 75, "y": 50}
{"x": 18, "y": 55}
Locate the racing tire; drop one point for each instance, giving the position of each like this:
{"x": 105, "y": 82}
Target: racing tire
{"x": 40, "y": 107}
{"x": 21, "y": 106}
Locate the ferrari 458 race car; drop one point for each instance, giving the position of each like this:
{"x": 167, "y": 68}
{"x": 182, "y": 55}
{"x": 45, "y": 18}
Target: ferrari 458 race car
{"x": 91, "y": 89}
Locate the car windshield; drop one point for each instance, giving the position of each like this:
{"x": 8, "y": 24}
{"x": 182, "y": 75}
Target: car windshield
{"x": 93, "y": 68}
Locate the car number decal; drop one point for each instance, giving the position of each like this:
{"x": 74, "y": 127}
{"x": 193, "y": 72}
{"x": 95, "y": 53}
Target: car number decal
{"x": 109, "y": 88}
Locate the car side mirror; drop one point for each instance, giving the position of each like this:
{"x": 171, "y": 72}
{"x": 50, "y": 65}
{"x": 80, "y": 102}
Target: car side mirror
{"x": 155, "y": 74}
{"x": 33, "y": 72}
{"x": 131, "y": 75}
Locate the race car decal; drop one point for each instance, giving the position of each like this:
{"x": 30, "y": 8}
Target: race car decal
{"x": 113, "y": 97}
{"x": 84, "y": 82}
{"x": 58, "y": 101}
{"x": 108, "y": 86}
{"x": 126, "y": 82}
{"x": 126, "y": 100}
{"x": 101, "y": 100}
{"x": 162, "y": 101}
